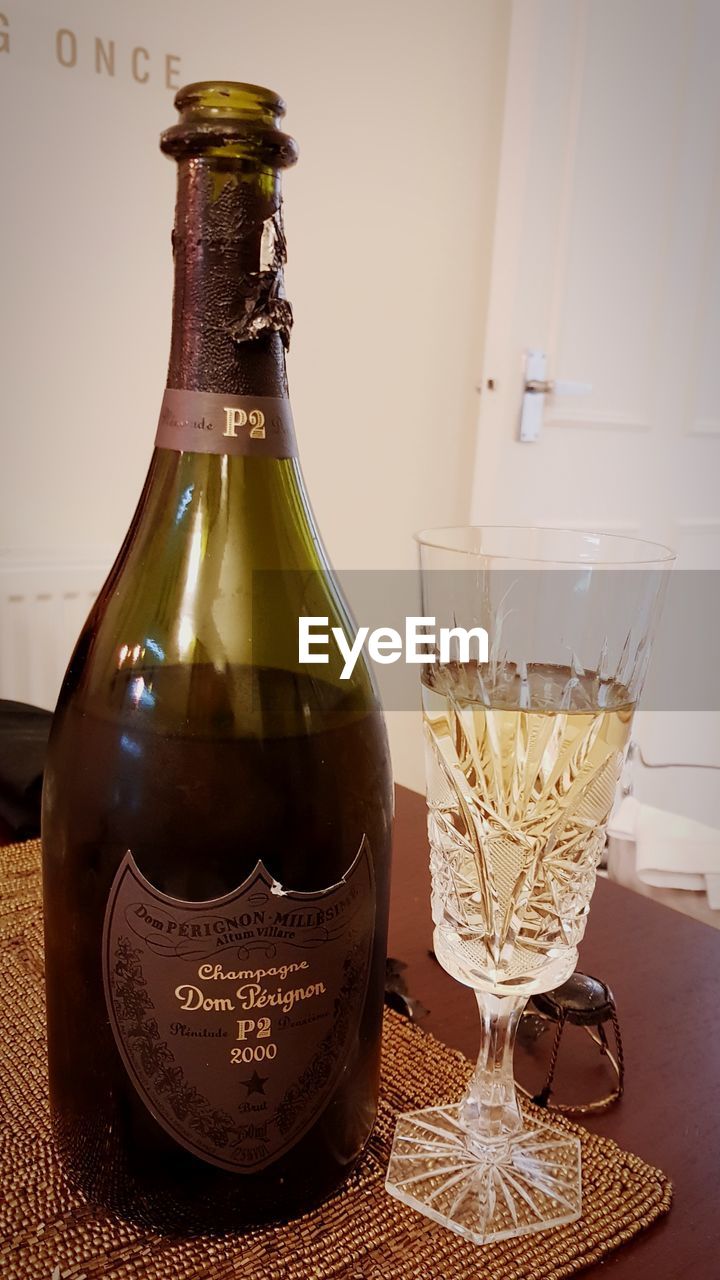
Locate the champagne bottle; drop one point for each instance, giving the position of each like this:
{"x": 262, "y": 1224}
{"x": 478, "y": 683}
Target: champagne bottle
{"x": 216, "y": 817}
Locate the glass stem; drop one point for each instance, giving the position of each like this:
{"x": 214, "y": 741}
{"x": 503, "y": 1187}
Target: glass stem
{"x": 490, "y": 1109}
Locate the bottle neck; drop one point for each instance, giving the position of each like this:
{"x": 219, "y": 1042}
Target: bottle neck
{"x": 231, "y": 320}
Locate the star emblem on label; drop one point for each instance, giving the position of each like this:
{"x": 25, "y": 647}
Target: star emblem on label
{"x": 255, "y": 1083}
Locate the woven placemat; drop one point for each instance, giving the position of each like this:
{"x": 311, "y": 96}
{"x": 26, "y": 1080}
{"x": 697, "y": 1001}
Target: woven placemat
{"x": 47, "y": 1231}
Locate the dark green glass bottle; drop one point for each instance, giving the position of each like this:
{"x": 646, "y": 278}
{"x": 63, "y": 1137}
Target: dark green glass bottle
{"x": 216, "y": 816}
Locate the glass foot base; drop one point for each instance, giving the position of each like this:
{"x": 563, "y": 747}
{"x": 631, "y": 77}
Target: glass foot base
{"x": 529, "y": 1183}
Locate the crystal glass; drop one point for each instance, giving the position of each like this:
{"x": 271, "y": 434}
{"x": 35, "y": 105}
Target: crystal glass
{"x": 524, "y": 747}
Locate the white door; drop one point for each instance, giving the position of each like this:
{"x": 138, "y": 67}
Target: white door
{"x": 607, "y": 257}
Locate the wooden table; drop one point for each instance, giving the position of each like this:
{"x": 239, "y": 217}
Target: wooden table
{"x": 664, "y": 970}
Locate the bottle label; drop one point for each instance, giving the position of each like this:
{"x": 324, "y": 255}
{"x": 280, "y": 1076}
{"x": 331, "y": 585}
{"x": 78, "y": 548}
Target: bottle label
{"x": 234, "y": 1017}
{"x": 211, "y": 422}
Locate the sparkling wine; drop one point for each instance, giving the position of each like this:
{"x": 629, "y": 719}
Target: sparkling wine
{"x": 216, "y": 819}
{"x": 522, "y": 769}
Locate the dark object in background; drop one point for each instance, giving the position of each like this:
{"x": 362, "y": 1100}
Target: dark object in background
{"x": 397, "y": 996}
{"x": 24, "y": 734}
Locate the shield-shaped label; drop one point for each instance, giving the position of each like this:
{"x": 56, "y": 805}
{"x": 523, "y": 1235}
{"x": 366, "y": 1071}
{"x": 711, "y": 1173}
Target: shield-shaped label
{"x": 234, "y": 1016}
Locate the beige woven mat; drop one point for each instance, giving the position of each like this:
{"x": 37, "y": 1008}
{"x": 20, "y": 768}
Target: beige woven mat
{"x": 47, "y": 1231}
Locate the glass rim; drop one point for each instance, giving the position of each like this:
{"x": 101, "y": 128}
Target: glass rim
{"x": 439, "y": 539}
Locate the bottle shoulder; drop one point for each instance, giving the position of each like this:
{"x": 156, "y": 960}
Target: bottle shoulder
{"x": 222, "y": 558}
{"x": 221, "y": 562}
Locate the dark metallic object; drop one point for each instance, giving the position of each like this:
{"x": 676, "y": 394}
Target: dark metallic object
{"x": 584, "y": 1002}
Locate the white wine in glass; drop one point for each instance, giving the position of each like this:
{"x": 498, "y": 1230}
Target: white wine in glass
{"x": 520, "y": 781}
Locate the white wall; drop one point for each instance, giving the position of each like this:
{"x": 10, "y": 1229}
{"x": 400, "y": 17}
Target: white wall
{"x": 396, "y": 106}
